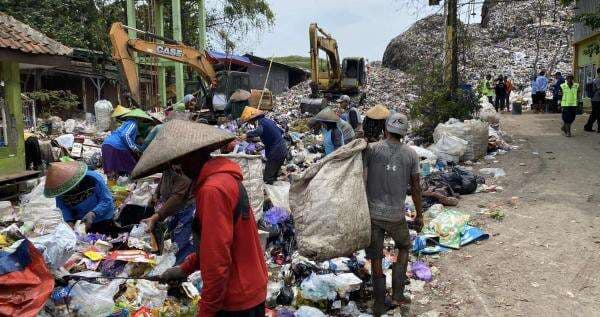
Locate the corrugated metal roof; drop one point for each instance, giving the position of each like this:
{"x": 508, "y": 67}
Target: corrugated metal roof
{"x": 17, "y": 35}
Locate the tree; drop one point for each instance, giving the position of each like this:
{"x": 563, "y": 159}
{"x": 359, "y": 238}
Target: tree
{"x": 85, "y": 23}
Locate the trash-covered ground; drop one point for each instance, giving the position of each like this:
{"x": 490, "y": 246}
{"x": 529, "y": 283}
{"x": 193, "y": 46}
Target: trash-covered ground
{"x": 116, "y": 272}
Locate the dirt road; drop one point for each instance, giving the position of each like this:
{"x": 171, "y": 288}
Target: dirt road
{"x": 543, "y": 258}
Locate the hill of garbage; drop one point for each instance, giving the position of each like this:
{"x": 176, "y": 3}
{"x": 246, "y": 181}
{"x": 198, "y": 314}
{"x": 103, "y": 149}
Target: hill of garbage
{"x": 519, "y": 38}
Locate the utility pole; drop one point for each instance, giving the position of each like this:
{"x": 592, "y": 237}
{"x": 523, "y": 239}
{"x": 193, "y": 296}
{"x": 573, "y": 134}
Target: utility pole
{"x": 177, "y": 36}
{"x": 451, "y": 52}
{"x": 201, "y": 25}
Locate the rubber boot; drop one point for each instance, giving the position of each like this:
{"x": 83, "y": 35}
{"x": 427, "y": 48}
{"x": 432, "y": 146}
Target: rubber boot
{"x": 568, "y": 128}
{"x": 399, "y": 278}
{"x": 379, "y": 307}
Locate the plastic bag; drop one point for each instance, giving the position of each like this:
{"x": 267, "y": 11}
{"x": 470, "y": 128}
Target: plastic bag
{"x": 279, "y": 194}
{"x": 319, "y": 287}
{"x": 421, "y": 271}
{"x": 142, "y": 195}
{"x": 462, "y": 181}
{"x": 495, "y": 172}
{"x": 150, "y": 294}
{"x": 58, "y": 246}
{"x": 140, "y": 238}
{"x": 475, "y": 132}
{"x": 307, "y": 311}
{"x": 425, "y": 154}
{"x": 163, "y": 262}
{"x": 89, "y": 299}
{"x": 252, "y": 169}
{"x": 276, "y": 215}
{"x": 448, "y": 225}
{"x": 70, "y": 125}
{"x": 285, "y": 296}
{"x": 103, "y": 110}
{"x": 39, "y": 212}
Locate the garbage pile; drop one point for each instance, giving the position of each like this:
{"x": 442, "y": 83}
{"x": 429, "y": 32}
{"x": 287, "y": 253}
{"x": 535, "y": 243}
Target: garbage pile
{"x": 507, "y": 46}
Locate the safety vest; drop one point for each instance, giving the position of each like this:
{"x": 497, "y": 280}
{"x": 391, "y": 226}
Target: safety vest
{"x": 484, "y": 88}
{"x": 569, "y": 98}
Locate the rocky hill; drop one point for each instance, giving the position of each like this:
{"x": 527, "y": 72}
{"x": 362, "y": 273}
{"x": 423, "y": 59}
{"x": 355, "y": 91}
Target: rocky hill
{"x": 518, "y": 39}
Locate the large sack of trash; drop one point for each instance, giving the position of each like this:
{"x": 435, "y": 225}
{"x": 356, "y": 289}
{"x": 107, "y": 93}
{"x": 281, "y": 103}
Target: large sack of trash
{"x": 329, "y": 205}
{"x": 252, "y": 168}
{"x": 488, "y": 113}
{"x": 449, "y": 148}
{"x": 475, "y": 132}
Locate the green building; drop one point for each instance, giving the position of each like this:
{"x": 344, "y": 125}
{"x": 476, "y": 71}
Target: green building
{"x": 20, "y": 47}
{"x": 586, "y": 59}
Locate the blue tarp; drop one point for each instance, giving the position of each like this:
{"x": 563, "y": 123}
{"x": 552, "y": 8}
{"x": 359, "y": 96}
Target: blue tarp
{"x": 235, "y": 59}
{"x": 427, "y": 244}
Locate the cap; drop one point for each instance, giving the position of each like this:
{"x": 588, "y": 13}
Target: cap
{"x": 345, "y": 98}
{"x": 397, "y": 123}
{"x": 187, "y": 98}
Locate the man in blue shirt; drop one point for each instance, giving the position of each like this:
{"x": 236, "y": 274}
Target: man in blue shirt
{"x": 81, "y": 195}
{"x": 556, "y": 91}
{"x": 541, "y": 83}
{"x": 272, "y": 137}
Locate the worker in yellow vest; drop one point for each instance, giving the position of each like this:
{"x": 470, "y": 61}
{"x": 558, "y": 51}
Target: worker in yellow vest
{"x": 485, "y": 88}
{"x": 569, "y": 104}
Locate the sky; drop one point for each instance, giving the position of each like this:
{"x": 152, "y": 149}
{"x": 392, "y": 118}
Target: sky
{"x": 361, "y": 27}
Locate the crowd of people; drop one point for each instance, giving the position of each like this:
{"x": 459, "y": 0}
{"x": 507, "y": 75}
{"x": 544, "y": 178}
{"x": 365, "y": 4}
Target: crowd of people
{"x": 565, "y": 97}
{"x": 203, "y": 200}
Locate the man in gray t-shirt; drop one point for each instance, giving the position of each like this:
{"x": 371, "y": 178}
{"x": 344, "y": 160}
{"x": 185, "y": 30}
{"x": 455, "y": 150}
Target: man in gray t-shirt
{"x": 390, "y": 166}
{"x": 595, "y": 115}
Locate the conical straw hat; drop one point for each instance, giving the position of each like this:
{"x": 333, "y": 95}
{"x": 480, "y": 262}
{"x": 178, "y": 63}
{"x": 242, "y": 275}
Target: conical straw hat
{"x": 176, "y": 139}
{"x": 119, "y": 111}
{"x": 327, "y": 115}
{"x": 138, "y": 114}
{"x": 62, "y": 177}
{"x": 378, "y": 112}
{"x": 239, "y": 95}
{"x": 250, "y": 113}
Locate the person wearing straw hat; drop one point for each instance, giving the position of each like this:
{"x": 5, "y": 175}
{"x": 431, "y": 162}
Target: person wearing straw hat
{"x": 272, "y": 137}
{"x": 119, "y": 111}
{"x": 120, "y": 148}
{"x": 333, "y": 138}
{"x": 390, "y": 167}
{"x": 374, "y": 123}
{"x": 229, "y": 251}
{"x": 81, "y": 195}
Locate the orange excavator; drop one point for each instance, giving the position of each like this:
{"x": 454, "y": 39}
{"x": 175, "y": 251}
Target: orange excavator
{"x": 220, "y": 84}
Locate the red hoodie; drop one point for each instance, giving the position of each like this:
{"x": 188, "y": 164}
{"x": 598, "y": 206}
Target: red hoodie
{"x": 231, "y": 259}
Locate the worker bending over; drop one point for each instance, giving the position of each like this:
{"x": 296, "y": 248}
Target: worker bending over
{"x": 81, "y": 195}
{"x": 272, "y": 137}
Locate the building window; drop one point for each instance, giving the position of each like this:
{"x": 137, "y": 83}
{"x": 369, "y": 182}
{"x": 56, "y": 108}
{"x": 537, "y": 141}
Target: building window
{"x": 3, "y": 118}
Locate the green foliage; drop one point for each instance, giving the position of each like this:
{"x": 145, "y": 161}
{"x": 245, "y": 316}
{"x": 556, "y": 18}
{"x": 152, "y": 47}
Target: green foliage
{"x": 301, "y": 61}
{"x": 436, "y": 106}
{"x": 55, "y": 102}
{"x": 85, "y": 23}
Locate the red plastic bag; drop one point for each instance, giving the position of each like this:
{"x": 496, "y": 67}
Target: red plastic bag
{"x": 25, "y": 281}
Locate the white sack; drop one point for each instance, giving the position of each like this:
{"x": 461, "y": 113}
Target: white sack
{"x": 475, "y": 132}
{"x": 279, "y": 194}
{"x": 252, "y": 169}
{"x": 449, "y": 148}
{"x": 329, "y": 205}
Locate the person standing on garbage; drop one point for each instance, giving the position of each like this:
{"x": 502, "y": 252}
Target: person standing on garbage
{"x": 374, "y": 123}
{"x": 500, "y": 90}
{"x": 541, "y": 83}
{"x": 120, "y": 149}
{"x": 534, "y": 90}
{"x": 271, "y": 136}
{"x": 81, "y": 195}
{"x": 595, "y": 115}
{"x": 509, "y": 88}
{"x": 351, "y": 114}
{"x": 333, "y": 137}
{"x": 390, "y": 168}
{"x": 569, "y": 104}
{"x": 234, "y": 272}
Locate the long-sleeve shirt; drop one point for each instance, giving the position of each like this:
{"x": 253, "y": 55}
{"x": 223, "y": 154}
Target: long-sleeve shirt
{"x": 541, "y": 83}
{"x": 556, "y": 91}
{"x": 99, "y": 201}
{"x": 352, "y": 117}
{"x": 271, "y": 136}
{"x": 534, "y": 87}
{"x": 124, "y": 137}
{"x": 150, "y": 137}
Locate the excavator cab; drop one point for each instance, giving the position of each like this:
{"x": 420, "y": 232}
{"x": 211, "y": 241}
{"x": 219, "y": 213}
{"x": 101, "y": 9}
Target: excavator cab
{"x": 353, "y": 74}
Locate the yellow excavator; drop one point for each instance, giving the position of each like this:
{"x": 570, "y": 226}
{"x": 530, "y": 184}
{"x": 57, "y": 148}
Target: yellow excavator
{"x": 217, "y": 86}
{"x": 347, "y": 77}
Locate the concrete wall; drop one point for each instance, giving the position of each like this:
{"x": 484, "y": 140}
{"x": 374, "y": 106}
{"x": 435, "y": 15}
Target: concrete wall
{"x": 12, "y": 158}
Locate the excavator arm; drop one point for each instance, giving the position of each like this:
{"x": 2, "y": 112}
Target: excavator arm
{"x": 122, "y": 48}
{"x": 321, "y": 40}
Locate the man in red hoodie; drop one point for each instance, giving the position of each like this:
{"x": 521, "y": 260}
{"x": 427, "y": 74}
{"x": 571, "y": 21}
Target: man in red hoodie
{"x": 229, "y": 254}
